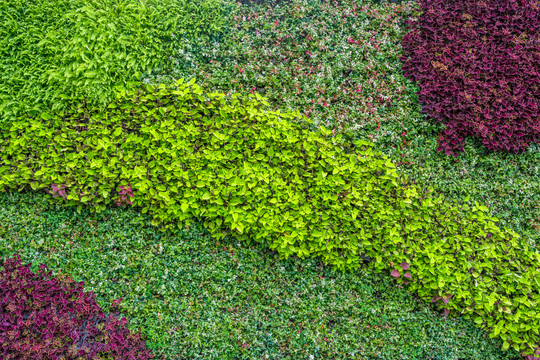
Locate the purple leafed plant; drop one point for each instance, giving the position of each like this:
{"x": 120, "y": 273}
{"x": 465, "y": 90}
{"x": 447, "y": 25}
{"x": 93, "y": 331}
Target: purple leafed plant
{"x": 123, "y": 192}
{"x": 45, "y": 317}
{"x": 59, "y": 190}
{"x": 477, "y": 64}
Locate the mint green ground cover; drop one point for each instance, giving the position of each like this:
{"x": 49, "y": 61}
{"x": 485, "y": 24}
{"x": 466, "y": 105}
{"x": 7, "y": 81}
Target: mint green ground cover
{"x": 195, "y": 298}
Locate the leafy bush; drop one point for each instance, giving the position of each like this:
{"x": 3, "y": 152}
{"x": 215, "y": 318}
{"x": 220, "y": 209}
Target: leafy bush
{"x": 44, "y": 317}
{"x": 244, "y": 170}
{"x": 53, "y": 50}
{"x": 477, "y": 64}
{"x": 194, "y": 297}
{"x": 353, "y": 84}
{"x": 237, "y": 165}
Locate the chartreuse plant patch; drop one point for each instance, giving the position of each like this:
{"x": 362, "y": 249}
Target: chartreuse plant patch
{"x": 339, "y": 63}
{"x": 194, "y": 297}
{"x": 244, "y": 170}
{"x": 52, "y": 50}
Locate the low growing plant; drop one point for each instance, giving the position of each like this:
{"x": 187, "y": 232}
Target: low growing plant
{"x": 477, "y": 64}
{"x": 251, "y": 172}
{"x": 192, "y": 296}
{"x": 47, "y": 317}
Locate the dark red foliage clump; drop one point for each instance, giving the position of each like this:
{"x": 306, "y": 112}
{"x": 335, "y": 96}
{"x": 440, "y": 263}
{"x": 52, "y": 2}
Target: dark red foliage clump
{"x": 45, "y": 317}
{"x": 477, "y": 64}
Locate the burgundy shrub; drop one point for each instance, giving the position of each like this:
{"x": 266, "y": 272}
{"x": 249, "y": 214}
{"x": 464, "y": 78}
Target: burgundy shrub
{"x": 477, "y": 64}
{"x": 124, "y": 192}
{"x": 46, "y": 317}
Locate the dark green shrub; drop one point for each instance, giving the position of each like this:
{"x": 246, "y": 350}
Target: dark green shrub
{"x": 193, "y": 297}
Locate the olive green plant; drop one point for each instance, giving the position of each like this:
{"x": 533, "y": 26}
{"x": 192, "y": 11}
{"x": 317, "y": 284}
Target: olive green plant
{"x": 248, "y": 171}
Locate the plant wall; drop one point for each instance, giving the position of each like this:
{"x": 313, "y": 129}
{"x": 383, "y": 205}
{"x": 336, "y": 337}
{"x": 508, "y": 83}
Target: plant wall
{"x": 251, "y": 172}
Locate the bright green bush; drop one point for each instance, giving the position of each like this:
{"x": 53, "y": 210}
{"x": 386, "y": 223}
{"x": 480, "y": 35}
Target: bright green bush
{"x": 253, "y": 173}
{"x": 238, "y": 166}
{"x": 52, "y": 50}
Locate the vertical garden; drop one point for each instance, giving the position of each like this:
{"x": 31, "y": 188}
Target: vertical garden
{"x": 213, "y": 179}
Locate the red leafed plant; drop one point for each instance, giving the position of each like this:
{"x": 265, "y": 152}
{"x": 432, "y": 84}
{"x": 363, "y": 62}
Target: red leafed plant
{"x": 46, "y": 317}
{"x": 124, "y": 191}
{"x": 477, "y": 63}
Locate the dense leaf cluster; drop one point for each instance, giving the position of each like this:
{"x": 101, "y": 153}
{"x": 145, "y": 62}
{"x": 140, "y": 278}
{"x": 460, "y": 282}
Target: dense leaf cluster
{"x": 53, "y": 50}
{"x": 478, "y": 67}
{"x": 352, "y": 83}
{"x": 233, "y": 163}
{"x": 253, "y": 173}
{"x": 47, "y": 317}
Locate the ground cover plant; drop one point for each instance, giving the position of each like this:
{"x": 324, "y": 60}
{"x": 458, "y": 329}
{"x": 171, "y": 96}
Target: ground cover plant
{"x": 339, "y": 63}
{"x": 420, "y": 130}
{"x": 48, "y": 317}
{"x": 334, "y": 199}
{"x": 479, "y": 73}
{"x": 52, "y": 50}
{"x": 193, "y": 297}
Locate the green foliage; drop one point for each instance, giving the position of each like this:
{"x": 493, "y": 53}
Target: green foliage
{"x": 190, "y": 156}
{"x": 82, "y": 49}
{"x": 353, "y": 85}
{"x": 193, "y": 297}
{"x": 253, "y": 173}
{"x": 451, "y": 248}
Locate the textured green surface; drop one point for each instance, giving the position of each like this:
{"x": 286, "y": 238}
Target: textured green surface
{"x": 50, "y": 50}
{"x": 256, "y": 55}
{"x": 195, "y": 299}
{"x": 508, "y": 184}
